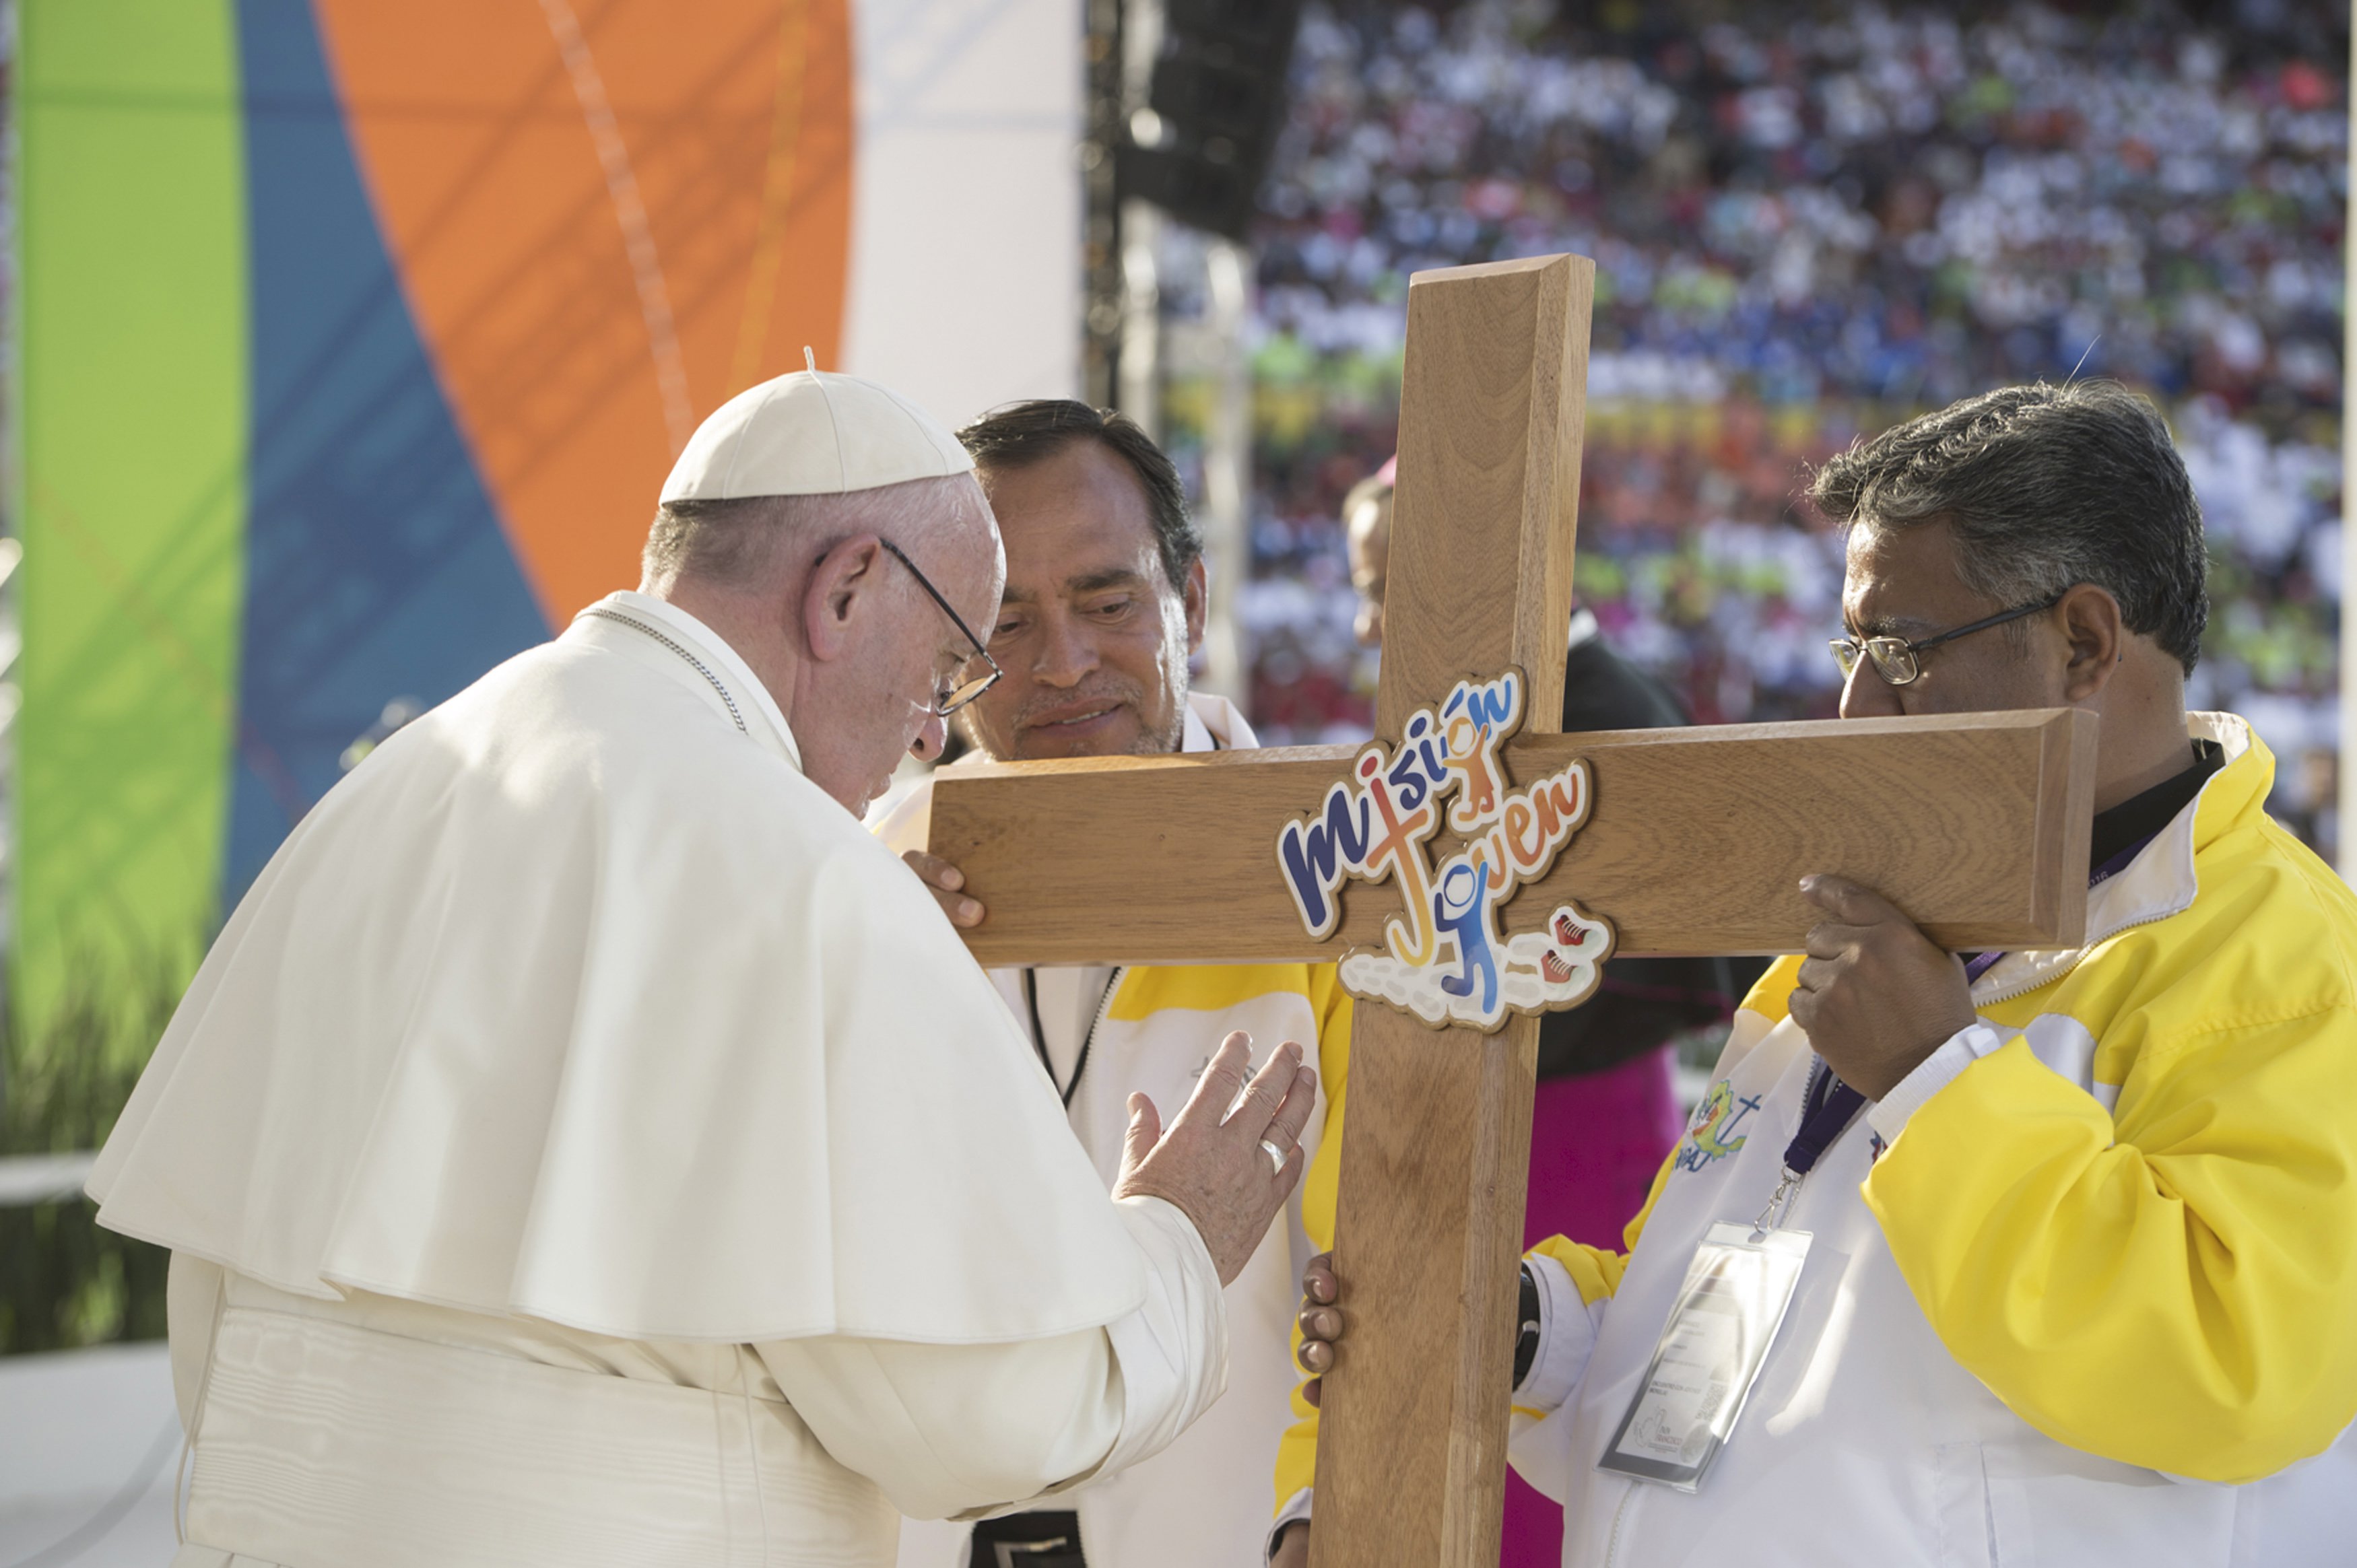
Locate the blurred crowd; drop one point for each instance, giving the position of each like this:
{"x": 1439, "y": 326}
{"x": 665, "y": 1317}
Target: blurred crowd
{"x": 1809, "y": 223}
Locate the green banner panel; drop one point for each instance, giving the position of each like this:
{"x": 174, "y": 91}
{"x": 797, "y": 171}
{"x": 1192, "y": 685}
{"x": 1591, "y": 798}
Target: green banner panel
{"x": 134, "y": 417}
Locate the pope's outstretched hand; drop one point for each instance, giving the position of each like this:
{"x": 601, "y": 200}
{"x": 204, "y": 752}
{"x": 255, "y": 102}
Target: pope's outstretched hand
{"x": 1231, "y": 1159}
{"x": 1229, "y": 1164}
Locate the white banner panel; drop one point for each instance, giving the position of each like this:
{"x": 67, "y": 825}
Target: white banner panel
{"x": 966, "y": 249}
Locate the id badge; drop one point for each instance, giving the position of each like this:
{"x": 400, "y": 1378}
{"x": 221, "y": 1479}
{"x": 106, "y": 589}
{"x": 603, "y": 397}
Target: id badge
{"x": 1725, "y": 1317}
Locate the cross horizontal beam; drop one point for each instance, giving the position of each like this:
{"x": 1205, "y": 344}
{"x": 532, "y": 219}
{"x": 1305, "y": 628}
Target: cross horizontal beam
{"x": 1696, "y": 845}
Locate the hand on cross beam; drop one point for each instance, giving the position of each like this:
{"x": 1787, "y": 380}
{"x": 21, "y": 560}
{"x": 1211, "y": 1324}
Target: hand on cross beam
{"x": 945, "y": 882}
{"x": 1876, "y": 996}
{"x": 1699, "y": 838}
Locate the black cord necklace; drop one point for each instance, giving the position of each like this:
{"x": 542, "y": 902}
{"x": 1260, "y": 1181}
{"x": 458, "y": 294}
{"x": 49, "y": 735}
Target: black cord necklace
{"x": 1039, "y": 1038}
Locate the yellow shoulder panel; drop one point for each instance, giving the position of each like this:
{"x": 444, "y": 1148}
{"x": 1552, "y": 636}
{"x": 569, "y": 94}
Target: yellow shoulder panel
{"x": 1203, "y": 987}
{"x": 1771, "y": 995}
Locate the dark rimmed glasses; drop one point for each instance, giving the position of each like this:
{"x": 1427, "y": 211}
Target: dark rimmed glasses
{"x": 1895, "y": 659}
{"x": 948, "y": 700}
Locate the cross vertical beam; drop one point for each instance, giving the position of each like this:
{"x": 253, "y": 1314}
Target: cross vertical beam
{"x": 1436, "y": 1142}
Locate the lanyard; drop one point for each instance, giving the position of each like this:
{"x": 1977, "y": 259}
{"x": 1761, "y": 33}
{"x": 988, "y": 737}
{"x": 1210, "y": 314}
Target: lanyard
{"x": 1827, "y": 1113}
{"x": 1831, "y": 1107}
{"x": 1039, "y": 1036}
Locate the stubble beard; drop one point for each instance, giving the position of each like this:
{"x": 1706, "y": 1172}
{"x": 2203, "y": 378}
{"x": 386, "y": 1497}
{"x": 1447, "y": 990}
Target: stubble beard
{"x": 1170, "y": 737}
{"x": 1174, "y": 733}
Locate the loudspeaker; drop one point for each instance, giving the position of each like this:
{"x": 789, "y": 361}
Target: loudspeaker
{"x": 1218, "y": 92}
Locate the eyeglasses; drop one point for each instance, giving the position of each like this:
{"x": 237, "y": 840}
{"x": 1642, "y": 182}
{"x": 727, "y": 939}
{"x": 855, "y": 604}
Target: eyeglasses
{"x": 1894, "y": 658}
{"x": 948, "y": 700}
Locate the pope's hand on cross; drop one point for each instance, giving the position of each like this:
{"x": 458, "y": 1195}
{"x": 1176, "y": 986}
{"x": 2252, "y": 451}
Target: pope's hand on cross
{"x": 1216, "y": 1163}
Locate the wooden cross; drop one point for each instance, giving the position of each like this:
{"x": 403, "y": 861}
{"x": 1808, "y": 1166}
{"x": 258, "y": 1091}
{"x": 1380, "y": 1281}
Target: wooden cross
{"x": 1977, "y": 825}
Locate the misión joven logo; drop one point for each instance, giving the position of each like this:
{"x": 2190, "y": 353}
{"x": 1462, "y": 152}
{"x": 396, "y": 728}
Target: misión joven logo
{"x": 1443, "y": 958}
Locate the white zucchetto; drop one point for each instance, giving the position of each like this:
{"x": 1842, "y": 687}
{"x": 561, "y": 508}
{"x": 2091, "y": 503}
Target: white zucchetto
{"x": 812, "y": 433}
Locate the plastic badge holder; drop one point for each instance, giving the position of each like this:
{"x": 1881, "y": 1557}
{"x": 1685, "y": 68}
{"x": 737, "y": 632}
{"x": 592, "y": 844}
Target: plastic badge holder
{"x": 1727, "y": 1312}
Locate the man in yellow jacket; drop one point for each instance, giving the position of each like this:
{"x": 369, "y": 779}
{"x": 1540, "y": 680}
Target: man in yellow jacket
{"x": 2064, "y": 1244}
{"x": 1104, "y": 601}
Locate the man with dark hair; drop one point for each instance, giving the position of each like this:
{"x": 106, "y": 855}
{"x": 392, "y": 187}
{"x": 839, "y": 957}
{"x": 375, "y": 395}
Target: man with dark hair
{"x": 1103, "y": 604}
{"x": 2043, "y": 487}
{"x": 1024, "y": 434}
{"x": 1092, "y": 487}
{"x": 2068, "y": 1239}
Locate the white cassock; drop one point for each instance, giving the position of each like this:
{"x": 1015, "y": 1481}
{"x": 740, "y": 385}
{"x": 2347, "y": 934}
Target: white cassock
{"x": 585, "y": 1145}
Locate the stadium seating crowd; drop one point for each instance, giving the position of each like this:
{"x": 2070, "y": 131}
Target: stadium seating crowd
{"x": 1806, "y": 228}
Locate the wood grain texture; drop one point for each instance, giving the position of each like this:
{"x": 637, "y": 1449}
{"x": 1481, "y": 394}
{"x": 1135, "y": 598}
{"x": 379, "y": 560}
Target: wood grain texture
{"x": 1492, "y": 398}
{"x": 1411, "y": 1458}
{"x": 1435, "y": 1146}
{"x": 1698, "y": 840}
{"x": 1978, "y": 823}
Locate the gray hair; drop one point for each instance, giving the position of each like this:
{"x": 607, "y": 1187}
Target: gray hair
{"x": 2043, "y": 487}
{"x": 740, "y": 540}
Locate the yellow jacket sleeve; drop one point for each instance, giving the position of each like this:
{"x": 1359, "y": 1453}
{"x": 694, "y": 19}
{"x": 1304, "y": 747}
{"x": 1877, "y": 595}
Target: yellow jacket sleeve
{"x": 1597, "y": 1270}
{"x": 1319, "y": 1182}
{"x": 2172, "y": 1285}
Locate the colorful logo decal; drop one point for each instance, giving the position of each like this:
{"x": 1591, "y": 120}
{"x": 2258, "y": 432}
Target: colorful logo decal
{"x": 1443, "y": 958}
{"x": 1712, "y": 1135}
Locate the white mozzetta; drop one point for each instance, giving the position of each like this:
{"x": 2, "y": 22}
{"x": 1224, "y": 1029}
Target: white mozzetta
{"x": 575, "y": 1003}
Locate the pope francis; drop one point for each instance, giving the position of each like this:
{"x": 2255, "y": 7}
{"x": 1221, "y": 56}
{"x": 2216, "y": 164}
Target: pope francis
{"x": 585, "y": 1146}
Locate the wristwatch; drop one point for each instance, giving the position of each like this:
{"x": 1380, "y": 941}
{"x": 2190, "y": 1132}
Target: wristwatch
{"x": 1526, "y": 1330}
